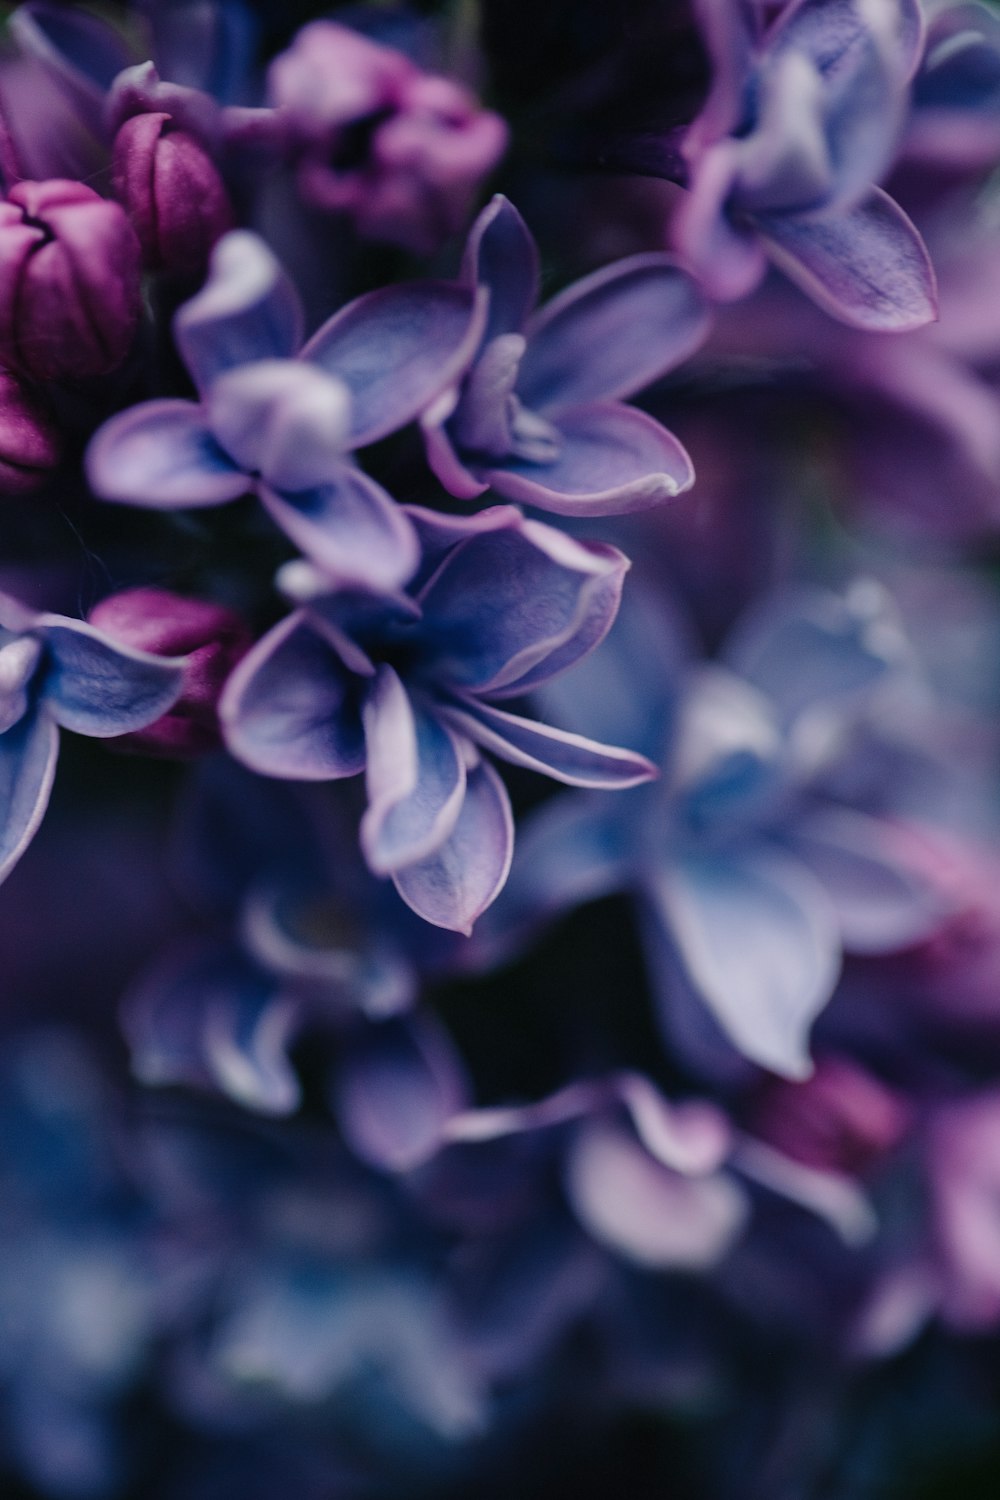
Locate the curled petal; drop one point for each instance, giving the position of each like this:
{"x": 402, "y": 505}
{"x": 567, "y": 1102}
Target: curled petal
{"x": 455, "y": 885}
{"x": 351, "y": 527}
{"x": 162, "y": 455}
{"x": 515, "y": 606}
{"x": 614, "y": 459}
{"x": 502, "y": 256}
{"x": 645, "y": 315}
{"x": 396, "y": 350}
{"x": 415, "y": 775}
{"x": 248, "y": 309}
{"x": 867, "y": 266}
{"x": 554, "y": 752}
{"x": 291, "y": 708}
{"x": 98, "y": 687}
{"x": 28, "y": 753}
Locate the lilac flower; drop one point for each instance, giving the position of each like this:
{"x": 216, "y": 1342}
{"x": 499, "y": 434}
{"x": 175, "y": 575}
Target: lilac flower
{"x": 69, "y": 281}
{"x": 210, "y": 637}
{"x": 401, "y": 151}
{"x": 59, "y": 672}
{"x": 284, "y": 422}
{"x": 752, "y": 868}
{"x": 799, "y": 124}
{"x": 404, "y": 688}
{"x": 538, "y": 418}
{"x": 29, "y": 440}
{"x": 171, "y": 191}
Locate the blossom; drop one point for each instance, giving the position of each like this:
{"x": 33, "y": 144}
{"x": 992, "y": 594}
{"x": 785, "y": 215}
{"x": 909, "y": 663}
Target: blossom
{"x": 56, "y": 672}
{"x": 799, "y": 123}
{"x": 404, "y": 688}
{"x": 537, "y": 418}
{"x": 284, "y": 421}
{"x": 172, "y": 192}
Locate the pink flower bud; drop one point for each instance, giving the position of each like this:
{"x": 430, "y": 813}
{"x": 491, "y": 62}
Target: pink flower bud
{"x": 69, "y": 281}
{"x": 213, "y": 639}
{"x": 842, "y": 1119}
{"x": 172, "y": 192}
{"x": 29, "y": 442}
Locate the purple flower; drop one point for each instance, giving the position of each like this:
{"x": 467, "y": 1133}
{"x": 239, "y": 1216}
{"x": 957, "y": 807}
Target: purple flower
{"x": 537, "y": 418}
{"x": 842, "y": 1119}
{"x": 29, "y": 441}
{"x": 210, "y": 637}
{"x": 59, "y": 672}
{"x": 69, "y": 281}
{"x": 402, "y": 152}
{"x": 799, "y": 124}
{"x": 405, "y": 689}
{"x": 285, "y": 423}
{"x": 171, "y": 191}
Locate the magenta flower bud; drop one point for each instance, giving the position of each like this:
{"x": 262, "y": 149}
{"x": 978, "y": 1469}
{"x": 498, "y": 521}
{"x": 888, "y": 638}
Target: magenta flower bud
{"x": 172, "y": 191}
{"x": 69, "y": 281}
{"x": 842, "y": 1119}
{"x": 29, "y": 442}
{"x": 213, "y": 639}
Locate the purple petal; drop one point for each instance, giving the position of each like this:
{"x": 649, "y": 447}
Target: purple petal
{"x": 730, "y": 37}
{"x": 645, "y": 315}
{"x": 351, "y": 527}
{"x": 866, "y": 266}
{"x": 654, "y": 1216}
{"x": 512, "y": 607}
{"x": 502, "y": 256}
{"x": 614, "y": 459}
{"x": 882, "y": 901}
{"x": 465, "y": 875}
{"x": 444, "y": 462}
{"x": 97, "y": 687}
{"x": 162, "y": 455}
{"x": 438, "y": 533}
{"x": 828, "y": 31}
{"x": 290, "y": 709}
{"x": 396, "y": 1088}
{"x": 693, "y": 1137}
{"x": 281, "y": 419}
{"x": 554, "y": 752}
{"x": 248, "y": 309}
{"x": 727, "y": 258}
{"x": 28, "y": 753}
{"x": 836, "y": 1199}
{"x": 396, "y": 350}
{"x": 80, "y": 51}
{"x": 415, "y": 778}
{"x": 758, "y": 938}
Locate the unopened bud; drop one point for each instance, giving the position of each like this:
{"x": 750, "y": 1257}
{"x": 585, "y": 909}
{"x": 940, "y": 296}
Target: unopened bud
{"x": 172, "y": 192}
{"x": 29, "y": 442}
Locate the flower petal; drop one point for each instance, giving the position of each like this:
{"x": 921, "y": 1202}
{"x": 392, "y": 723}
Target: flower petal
{"x": 396, "y": 349}
{"x": 866, "y": 266}
{"x": 514, "y": 606}
{"x": 554, "y": 752}
{"x": 248, "y": 309}
{"x": 415, "y": 778}
{"x": 98, "y": 687}
{"x": 397, "y": 1086}
{"x": 28, "y": 753}
{"x": 291, "y": 709}
{"x": 614, "y": 459}
{"x": 466, "y": 873}
{"x": 501, "y": 255}
{"x": 758, "y": 938}
{"x": 351, "y": 527}
{"x": 645, "y": 315}
{"x": 161, "y": 454}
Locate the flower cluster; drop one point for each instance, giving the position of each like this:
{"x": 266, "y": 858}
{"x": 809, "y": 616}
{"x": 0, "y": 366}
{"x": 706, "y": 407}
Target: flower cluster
{"x": 515, "y": 489}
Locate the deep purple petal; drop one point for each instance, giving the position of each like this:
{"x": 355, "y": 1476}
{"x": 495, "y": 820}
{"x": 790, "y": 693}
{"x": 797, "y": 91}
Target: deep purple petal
{"x": 614, "y": 459}
{"x": 415, "y": 777}
{"x": 439, "y": 532}
{"x": 28, "y": 753}
{"x": 512, "y": 607}
{"x": 654, "y": 1216}
{"x": 645, "y": 315}
{"x": 502, "y": 256}
{"x": 396, "y": 1088}
{"x": 459, "y": 880}
{"x": 727, "y": 258}
{"x": 554, "y": 752}
{"x": 98, "y": 687}
{"x": 162, "y": 455}
{"x": 445, "y": 463}
{"x": 79, "y": 50}
{"x": 867, "y": 266}
{"x": 248, "y": 309}
{"x": 351, "y": 527}
{"x": 397, "y": 349}
{"x": 758, "y": 938}
{"x": 291, "y": 709}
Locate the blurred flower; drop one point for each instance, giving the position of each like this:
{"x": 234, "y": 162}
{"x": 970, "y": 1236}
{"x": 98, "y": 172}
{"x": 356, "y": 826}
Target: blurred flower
{"x": 29, "y": 439}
